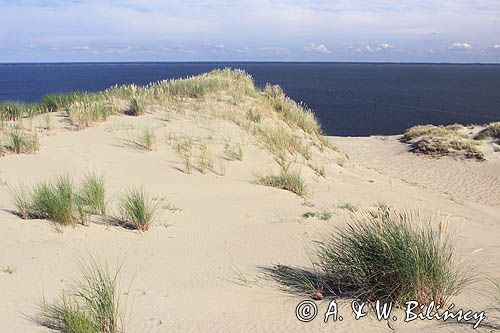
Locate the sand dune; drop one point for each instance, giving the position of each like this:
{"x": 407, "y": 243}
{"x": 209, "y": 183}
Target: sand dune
{"x": 200, "y": 267}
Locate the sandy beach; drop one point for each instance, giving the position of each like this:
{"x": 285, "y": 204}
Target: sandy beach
{"x": 202, "y": 265}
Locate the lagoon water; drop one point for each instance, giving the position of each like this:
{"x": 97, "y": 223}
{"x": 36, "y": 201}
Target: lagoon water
{"x": 350, "y": 99}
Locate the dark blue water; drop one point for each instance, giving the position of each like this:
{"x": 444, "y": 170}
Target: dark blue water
{"x": 349, "y": 99}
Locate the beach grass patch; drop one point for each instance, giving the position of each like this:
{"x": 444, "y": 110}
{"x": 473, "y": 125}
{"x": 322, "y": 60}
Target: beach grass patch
{"x": 136, "y": 210}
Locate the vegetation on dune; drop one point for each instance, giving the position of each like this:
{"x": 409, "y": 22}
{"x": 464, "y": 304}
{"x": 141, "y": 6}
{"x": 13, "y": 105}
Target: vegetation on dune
{"x": 491, "y": 131}
{"x": 22, "y": 142}
{"x": 287, "y": 179}
{"x": 386, "y": 255}
{"x": 60, "y": 201}
{"x": 136, "y": 210}
{"x": 443, "y": 140}
{"x": 278, "y": 122}
{"x": 90, "y": 306}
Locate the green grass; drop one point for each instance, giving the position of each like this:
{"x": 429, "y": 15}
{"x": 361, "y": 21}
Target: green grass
{"x": 149, "y": 139}
{"x": 55, "y": 201}
{"x": 60, "y": 201}
{"x": 86, "y": 113}
{"x": 136, "y": 108}
{"x": 92, "y": 305}
{"x": 21, "y": 142}
{"x": 393, "y": 256}
{"x": 136, "y": 210}
{"x": 205, "y": 159}
{"x": 184, "y": 149}
{"x": 21, "y": 198}
{"x": 92, "y": 193}
{"x": 10, "y": 110}
{"x": 287, "y": 179}
{"x": 348, "y": 206}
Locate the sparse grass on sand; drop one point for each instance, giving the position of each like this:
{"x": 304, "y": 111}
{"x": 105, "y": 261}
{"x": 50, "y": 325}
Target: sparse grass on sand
{"x": 136, "y": 210}
{"x": 21, "y": 142}
{"x": 92, "y": 193}
{"x": 148, "y": 139}
{"x": 287, "y": 179}
{"x": 276, "y": 121}
{"x": 55, "y": 201}
{"x": 60, "y": 201}
{"x": 386, "y": 255}
{"x": 446, "y": 140}
{"x": 233, "y": 152}
{"x": 91, "y": 305}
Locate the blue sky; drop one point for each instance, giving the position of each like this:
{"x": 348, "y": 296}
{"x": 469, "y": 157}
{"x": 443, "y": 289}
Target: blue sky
{"x": 280, "y": 30}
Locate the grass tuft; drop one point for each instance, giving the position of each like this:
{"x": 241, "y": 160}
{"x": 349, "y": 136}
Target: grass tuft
{"x": 136, "y": 210}
{"x": 394, "y": 256}
{"x": 233, "y": 152}
{"x": 287, "y": 179}
{"x": 92, "y": 194}
{"x": 90, "y": 306}
{"x": 55, "y": 201}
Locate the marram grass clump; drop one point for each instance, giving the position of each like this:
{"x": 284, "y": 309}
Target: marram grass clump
{"x": 136, "y": 210}
{"x": 393, "y": 255}
{"x": 91, "y": 305}
{"x": 287, "y": 179}
{"x": 450, "y": 140}
{"x": 60, "y": 201}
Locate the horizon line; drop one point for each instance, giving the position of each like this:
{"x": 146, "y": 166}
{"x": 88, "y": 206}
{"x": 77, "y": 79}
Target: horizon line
{"x": 248, "y": 61}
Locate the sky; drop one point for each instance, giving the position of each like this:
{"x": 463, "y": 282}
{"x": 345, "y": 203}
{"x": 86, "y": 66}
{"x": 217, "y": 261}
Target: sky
{"x": 250, "y": 30}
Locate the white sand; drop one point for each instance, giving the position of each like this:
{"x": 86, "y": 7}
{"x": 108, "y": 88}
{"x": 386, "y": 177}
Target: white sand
{"x": 184, "y": 272}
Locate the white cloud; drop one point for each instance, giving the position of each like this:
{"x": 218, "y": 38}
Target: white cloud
{"x": 385, "y": 46}
{"x": 319, "y": 48}
{"x": 460, "y": 46}
{"x": 81, "y": 48}
{"x": 497, "y": 46}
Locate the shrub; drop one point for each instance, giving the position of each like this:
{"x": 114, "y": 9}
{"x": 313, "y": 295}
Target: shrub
{"x": 394, "y": 256}
{"x": 55, "y": 201}
{"x": 91, "y": 306}
{"x": 136, "y": 210}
